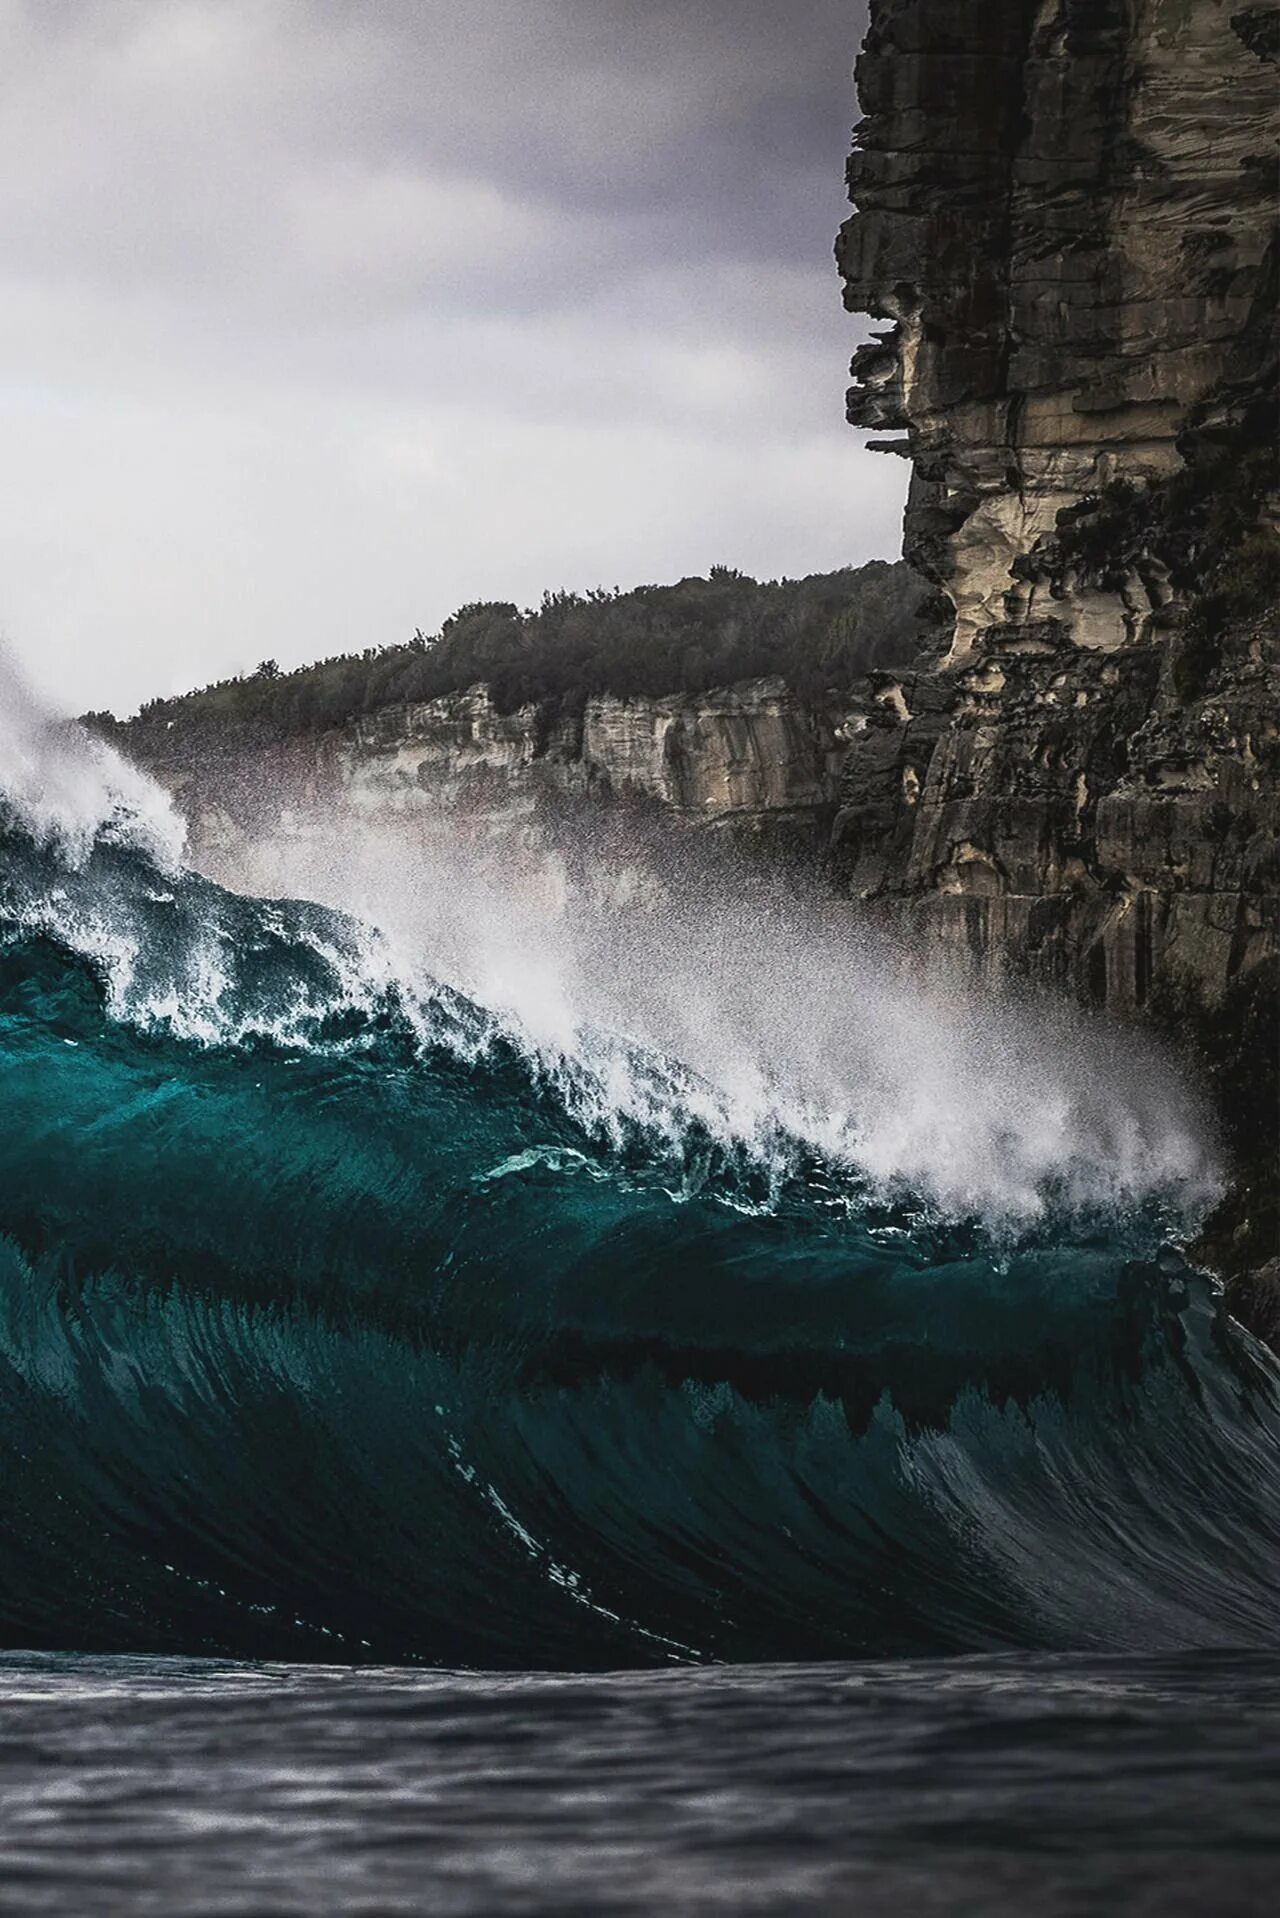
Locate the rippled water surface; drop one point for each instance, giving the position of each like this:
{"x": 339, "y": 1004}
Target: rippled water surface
{"x": 984, "y": 1785}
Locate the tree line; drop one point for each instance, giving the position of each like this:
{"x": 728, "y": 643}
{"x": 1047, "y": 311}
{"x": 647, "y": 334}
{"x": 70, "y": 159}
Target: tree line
{"x": 820, "y": 635}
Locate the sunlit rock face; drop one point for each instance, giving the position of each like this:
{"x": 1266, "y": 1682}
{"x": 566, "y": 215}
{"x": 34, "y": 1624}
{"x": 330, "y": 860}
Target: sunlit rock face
{"x": 739, "y": 751}
{"x": 1066, "y": 211}
{"x": 746, "y": 749}
{"x": 748, "y": 757}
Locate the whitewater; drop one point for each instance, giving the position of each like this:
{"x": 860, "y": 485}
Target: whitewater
{"x": 708, "y": 1291}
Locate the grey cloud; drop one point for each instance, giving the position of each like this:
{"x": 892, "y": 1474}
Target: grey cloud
{"x": 500, "y": 293}
{"x": 236, "y": 146}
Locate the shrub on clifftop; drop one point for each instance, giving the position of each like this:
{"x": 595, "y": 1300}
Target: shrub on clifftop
{"x": 819, "y": 634}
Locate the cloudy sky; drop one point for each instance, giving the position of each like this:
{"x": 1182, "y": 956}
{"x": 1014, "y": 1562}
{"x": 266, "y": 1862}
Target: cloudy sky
{"x": 320, "y": 317}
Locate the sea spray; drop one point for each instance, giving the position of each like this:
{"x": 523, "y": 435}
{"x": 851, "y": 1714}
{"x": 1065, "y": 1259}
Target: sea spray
{"x": 786, "y": 1011}
{"x": 68, "y": 790}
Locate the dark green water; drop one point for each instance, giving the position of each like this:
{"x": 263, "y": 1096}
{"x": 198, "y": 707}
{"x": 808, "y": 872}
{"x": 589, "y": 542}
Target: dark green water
{"x": 342, "y": 1327}
{"x": 334, "y": 1323}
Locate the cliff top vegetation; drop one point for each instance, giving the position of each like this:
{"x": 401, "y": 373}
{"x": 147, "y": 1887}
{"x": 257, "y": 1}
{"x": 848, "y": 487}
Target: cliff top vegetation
{"x": 819, "y": 634}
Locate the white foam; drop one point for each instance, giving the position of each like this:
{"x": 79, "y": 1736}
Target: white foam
{"x": 669, "y": 991}
{"x": 70, "y": 789}
{"x": 686, "y": 989}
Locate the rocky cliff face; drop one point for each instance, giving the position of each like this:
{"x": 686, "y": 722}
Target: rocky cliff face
{"x": 1066, "y": 209}
{"x": 732, "y": 754}
{"x": 749, "y": 757}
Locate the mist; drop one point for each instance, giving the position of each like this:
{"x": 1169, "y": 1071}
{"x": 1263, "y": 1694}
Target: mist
{"x": 596, "y": 929}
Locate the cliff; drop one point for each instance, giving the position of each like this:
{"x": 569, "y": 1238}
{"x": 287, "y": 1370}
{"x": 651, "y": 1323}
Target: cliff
{"x": 723, "y": 699}
{"x": 1066, "y": 211}
{"x": 752, "y": 758}
{"x": 1066, "y": 208}
{"x": 735, "y": 753}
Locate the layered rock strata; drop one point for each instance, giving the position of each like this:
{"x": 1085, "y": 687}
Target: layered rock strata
{"x": 1066, "y": 209}
{"x": 749, "y": 758}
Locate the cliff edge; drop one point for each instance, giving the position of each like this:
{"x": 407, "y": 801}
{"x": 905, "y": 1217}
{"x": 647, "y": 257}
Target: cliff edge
{"x": 1066, "y": 213}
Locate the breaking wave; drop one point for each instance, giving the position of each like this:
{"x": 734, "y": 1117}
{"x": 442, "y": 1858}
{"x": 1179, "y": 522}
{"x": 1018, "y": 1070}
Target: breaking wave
{"x": 343, "y": 1315}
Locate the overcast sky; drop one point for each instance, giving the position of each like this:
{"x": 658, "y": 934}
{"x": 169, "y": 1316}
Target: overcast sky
{"x": 320, "y": 317}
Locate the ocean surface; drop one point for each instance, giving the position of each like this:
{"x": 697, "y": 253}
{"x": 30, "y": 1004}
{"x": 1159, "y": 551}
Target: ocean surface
{"x": 807, "y": 1343}
{"x": 1016, "y": 1784}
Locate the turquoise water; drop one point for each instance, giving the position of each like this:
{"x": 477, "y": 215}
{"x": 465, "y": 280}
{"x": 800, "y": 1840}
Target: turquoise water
{"x": 337, "y": 1323}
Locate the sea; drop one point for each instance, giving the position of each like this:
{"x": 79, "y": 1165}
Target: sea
{"x": 1022, "y": 1783}
{"x": 597, "y": 1394}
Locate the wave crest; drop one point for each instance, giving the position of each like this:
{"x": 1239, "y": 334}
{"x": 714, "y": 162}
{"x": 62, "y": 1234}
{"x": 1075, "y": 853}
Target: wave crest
{"x": 342, "y": 1312}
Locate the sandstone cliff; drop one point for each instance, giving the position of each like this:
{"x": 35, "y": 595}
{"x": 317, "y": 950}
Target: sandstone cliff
{"x": 735, "y": 753}
{"x": 1066, "y": 209}
{"x": 750, "y": 758}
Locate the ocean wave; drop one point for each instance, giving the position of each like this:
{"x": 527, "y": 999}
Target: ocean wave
{"x": 344, "y": 1316}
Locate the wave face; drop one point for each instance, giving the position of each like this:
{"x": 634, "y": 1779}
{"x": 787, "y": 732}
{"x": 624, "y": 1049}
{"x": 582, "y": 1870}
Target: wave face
{"x": 344, "y": 1318}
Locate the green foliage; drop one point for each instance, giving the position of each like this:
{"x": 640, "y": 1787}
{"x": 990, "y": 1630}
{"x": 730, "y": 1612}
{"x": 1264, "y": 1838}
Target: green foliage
{"x": 818, "y": 634}
{"x": 480, "y": 609}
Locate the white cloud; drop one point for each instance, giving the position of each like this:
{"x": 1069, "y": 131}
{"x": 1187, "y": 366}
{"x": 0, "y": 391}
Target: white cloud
{"x": 318, "y": 319}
